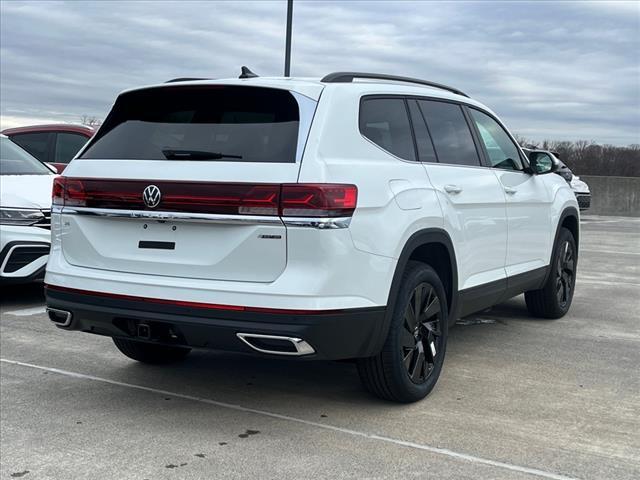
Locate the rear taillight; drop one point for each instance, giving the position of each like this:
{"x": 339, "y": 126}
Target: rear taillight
{"x": 318, "y": 200}
{"x": 57, "y": 194}
{"x": 288, "y": 200}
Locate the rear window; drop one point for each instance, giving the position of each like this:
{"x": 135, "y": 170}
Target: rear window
{"x": 223, "y": 123}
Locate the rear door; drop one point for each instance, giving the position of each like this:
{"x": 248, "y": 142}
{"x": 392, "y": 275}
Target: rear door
{"x": 211, "y": 159}
{"x": 471, "y": 197}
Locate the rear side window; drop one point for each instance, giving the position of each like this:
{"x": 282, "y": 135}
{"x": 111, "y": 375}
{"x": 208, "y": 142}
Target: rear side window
{"x": 224, "y": 123}
{"x": 450, "y": 133}
{"x": 37, "y": 144}
{"x": 501, "y": 150}
{"x": 384, "y": 121}
{"x": 67, "y": 145}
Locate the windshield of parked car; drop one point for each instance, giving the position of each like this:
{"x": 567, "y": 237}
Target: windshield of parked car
{"x": 204, "y": 123}
{"x": 16, "y": 161}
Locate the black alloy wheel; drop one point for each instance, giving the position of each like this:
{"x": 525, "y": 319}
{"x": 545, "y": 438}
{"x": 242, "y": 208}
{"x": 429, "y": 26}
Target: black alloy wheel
{"x": 565, "y": 274}
{"x": 409, "y": 364}
{"x": 421, "y": 339}
{"x": 553, "y": 299}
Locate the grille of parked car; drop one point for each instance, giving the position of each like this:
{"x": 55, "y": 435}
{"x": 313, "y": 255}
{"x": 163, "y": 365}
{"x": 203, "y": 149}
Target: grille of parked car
{"x": 584, "y": 201}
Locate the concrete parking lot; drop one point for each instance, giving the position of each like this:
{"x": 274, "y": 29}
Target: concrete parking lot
{"x": 518, "y": 398}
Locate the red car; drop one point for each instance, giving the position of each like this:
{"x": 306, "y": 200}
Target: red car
{"x": 52, "y": 144}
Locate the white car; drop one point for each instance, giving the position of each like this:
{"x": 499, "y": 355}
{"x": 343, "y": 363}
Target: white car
{"x": 25, "y": 211}
{"x": 352, "y": 217}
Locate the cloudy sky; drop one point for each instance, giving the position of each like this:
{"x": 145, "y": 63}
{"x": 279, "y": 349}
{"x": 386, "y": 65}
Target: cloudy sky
{"x": 556, "y": 70}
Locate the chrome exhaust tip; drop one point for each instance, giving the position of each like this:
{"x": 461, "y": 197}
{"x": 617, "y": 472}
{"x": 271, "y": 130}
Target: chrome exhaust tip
{"x": 276, "y": 345}
{"x": 62, "y": 318}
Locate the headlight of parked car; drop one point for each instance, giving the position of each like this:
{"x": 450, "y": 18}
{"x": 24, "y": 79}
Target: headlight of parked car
{"x": 20, "y": 216}
{"x": 566, "y": 174}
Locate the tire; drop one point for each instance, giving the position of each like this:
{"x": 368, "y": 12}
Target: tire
{"x": 405, "y": 370}
{"x": 554, "y": 298}
{"x": 150, "y": 352}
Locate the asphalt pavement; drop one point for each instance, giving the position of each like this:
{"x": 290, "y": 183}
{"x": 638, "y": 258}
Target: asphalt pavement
{"x": 518, "y": 398}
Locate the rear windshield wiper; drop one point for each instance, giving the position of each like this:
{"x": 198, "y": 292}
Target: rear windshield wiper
{"x": 196, "y": 155}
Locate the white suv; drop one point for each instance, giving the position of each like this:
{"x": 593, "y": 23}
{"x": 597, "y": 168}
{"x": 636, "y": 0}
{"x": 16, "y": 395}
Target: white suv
{"x": 353, "y": 217}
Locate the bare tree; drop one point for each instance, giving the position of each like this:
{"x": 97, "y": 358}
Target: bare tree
{"x": 586, "y": 157}
{"x": 90, "y": 121}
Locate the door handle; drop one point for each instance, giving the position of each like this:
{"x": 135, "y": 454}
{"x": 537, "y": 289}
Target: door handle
{"x": 453, "y": 189}
{"x": 510, "y": 190}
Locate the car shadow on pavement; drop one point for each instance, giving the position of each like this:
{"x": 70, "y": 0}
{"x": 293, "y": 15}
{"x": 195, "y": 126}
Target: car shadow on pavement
{"x": 14, "y": 295}
{"x": 233, "y": 377}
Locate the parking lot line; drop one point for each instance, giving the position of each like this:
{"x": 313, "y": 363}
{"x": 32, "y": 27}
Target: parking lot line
{"x": 371, "y": 436}
{"x": 609, "y": 252}
{"x": 26, "y": 312}
{"x": 594, "y": 281}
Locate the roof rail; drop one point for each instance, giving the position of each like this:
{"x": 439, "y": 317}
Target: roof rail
{"x": 347, "y": 77}
{"x": 185, "y": 79}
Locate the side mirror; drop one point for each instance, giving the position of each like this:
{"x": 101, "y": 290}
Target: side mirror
{"x": 541, "y": 163}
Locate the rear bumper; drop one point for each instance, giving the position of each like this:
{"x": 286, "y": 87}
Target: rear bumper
{"x": 333, "y": 335}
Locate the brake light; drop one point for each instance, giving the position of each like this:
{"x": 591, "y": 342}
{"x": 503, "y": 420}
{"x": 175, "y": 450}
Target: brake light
{"x": 318, "y": 200}
{"x": 290, "y": 200}
{"x": 57, "y": 193}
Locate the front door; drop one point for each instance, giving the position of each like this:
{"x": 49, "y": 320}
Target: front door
{"x": 528, "y": 201}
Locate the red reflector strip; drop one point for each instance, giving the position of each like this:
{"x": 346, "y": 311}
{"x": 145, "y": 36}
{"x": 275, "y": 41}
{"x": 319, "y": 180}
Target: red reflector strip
{"x": 199, "y": 305}
{"x": 193, "y": 197}
{"x": 289, "y": 200}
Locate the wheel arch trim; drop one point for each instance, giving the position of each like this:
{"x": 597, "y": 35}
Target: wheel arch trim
{"x": 416, "y": 240}
{"x": 569, "y": 212}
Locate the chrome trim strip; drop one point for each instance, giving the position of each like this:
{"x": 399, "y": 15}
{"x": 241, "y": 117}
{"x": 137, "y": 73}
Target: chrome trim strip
{"x": 302, "y": 347}
{"x": 172, "y": 216}
{"x": 309, "y": 222}
{"x": 68, "y": 316}
{"x": 319, "y": 223}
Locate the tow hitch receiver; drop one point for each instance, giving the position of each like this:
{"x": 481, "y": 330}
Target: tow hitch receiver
{"x": 144, "y": 331}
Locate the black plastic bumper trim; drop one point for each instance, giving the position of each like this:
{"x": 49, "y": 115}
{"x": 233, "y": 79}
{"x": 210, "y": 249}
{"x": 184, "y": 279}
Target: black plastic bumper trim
{"x": 350, "y": 333}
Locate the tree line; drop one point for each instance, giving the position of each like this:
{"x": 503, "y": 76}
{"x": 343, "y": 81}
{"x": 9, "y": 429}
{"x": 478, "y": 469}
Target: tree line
{"x": 586, "y": 157}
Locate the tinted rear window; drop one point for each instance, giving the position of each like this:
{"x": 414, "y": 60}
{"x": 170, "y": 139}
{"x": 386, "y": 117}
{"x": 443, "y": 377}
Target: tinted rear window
{"x": 384, "y": 121}
{"x": 37, "y": 144}
{"x": 450, "y": 132}
{"x": 256, "y": 124}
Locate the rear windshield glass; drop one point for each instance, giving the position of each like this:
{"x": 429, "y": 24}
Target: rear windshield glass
{"x": 16, "y": 161}
{"x": 211, "y": 123}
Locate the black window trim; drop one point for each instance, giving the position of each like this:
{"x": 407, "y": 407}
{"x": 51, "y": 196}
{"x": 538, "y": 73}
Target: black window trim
{"x": 426, "y": 125}
{"x": 475, "y": 134}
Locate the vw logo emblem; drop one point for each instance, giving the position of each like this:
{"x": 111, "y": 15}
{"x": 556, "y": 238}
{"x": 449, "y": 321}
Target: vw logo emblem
{"x": 151, "y": 196}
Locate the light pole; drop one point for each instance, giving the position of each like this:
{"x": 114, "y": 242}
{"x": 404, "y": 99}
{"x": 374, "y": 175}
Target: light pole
{"x": 287, "y": 53}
